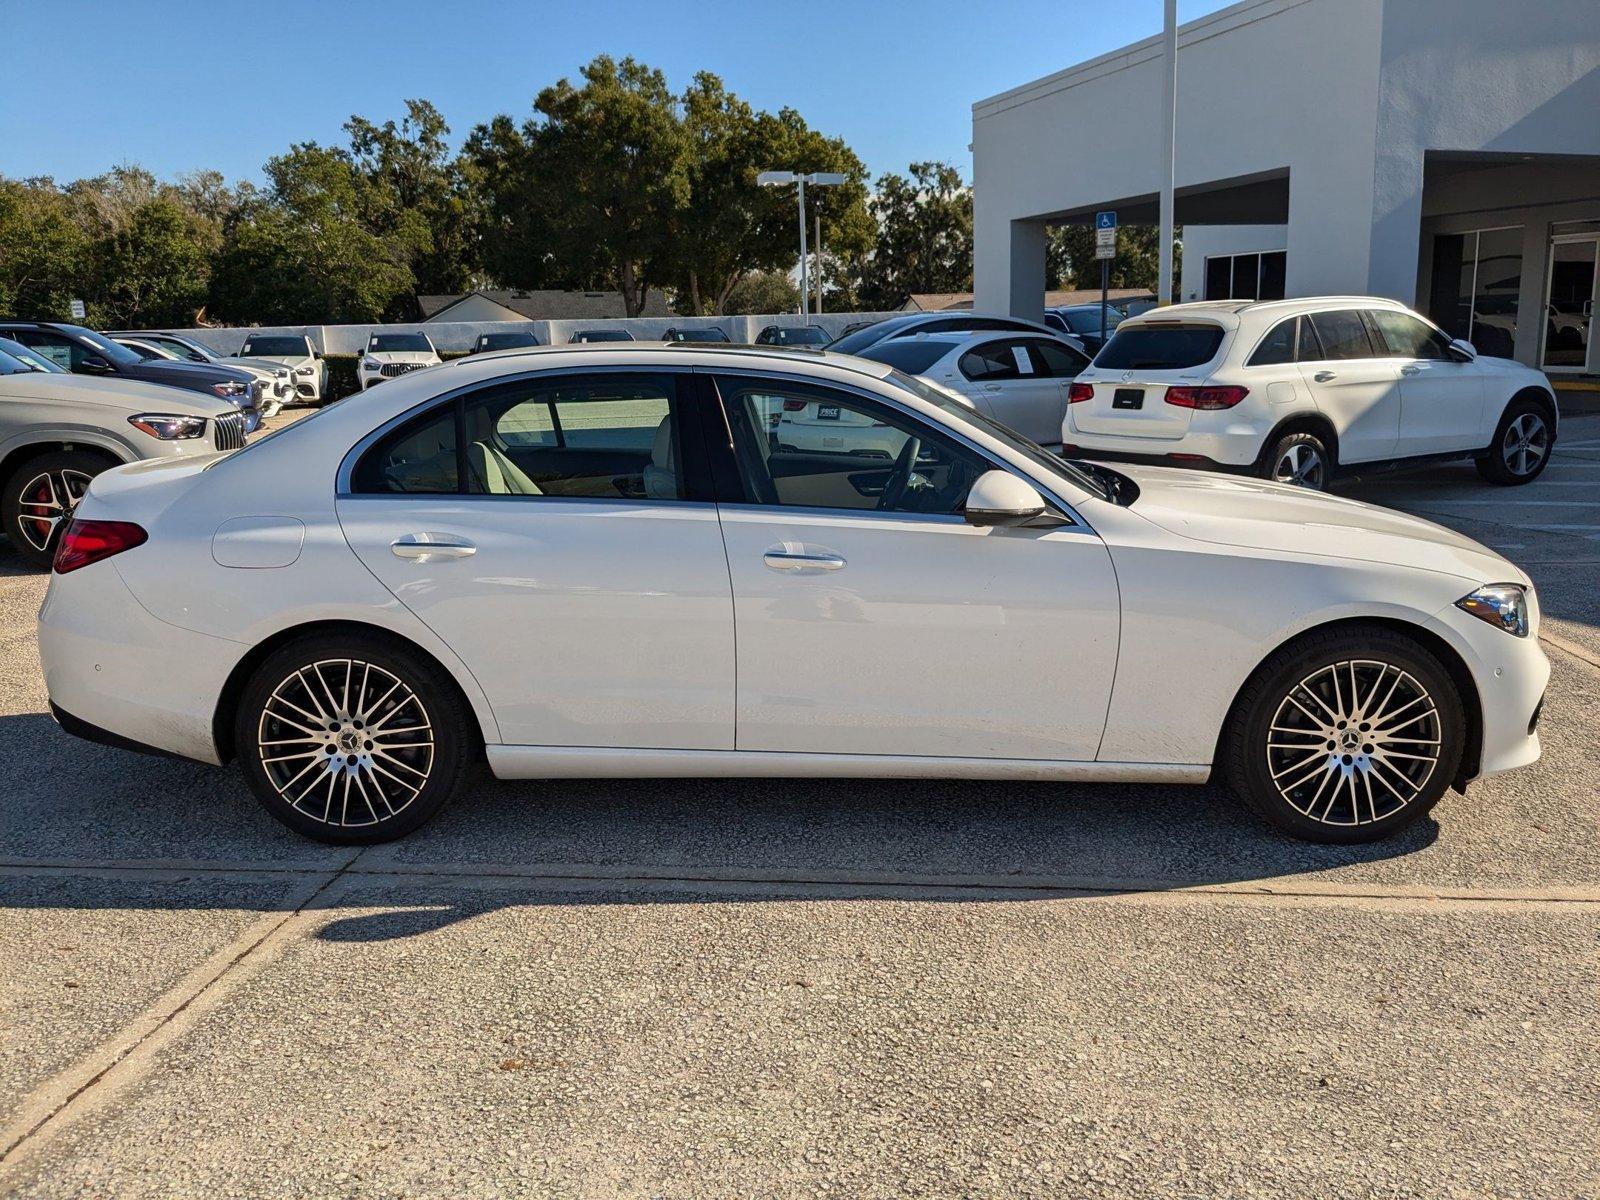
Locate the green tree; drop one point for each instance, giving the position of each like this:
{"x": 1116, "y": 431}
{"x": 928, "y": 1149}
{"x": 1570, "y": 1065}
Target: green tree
{"x": 44, "y": 253}
{"x": 924, "y": 241}
{"x": 153, "y": 268}
{"x": 764, "y": 292}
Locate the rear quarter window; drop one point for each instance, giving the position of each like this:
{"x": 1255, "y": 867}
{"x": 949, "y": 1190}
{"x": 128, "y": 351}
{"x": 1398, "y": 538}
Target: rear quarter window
{"x": 1160, "y": 347}
{"x": 911, "y": 357}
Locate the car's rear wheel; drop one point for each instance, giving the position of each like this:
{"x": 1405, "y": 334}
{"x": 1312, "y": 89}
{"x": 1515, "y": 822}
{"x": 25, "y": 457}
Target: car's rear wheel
{"x": 1345, "y": 736}
{"x": 352, "y": 739}
{"x": 40, "y": 496}
{"x": 1521, "y": 447}
{"x": 1300, "y": 459}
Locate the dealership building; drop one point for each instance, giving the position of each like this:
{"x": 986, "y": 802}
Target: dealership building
{"x": 1446, "y": 154}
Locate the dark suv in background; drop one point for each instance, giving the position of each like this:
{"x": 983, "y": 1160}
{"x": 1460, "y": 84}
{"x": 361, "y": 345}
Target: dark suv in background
{"x": 85, "y": 352}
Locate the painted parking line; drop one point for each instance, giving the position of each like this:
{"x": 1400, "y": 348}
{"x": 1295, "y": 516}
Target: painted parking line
{"x": 1514, "y": 503}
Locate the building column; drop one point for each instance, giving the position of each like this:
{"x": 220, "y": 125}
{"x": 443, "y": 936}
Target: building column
{"x": 1008, "y": 268}
{"x": 1329, "y": 232}
{"x": 1531, "y": 289}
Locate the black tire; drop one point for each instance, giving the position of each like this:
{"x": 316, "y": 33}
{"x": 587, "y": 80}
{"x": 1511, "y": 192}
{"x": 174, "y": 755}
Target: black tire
{"x": 1367, "y": 796}
{"x": 32, "y": 508}
{"x": 1301, "y": 459}
{"x": 1525, "y": 430}
{"x": 416, "y": 774}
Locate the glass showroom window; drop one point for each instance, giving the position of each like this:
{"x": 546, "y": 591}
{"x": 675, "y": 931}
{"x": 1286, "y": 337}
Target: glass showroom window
{"x": 1246, "y": 276}
{"x": 1477, "y": 285}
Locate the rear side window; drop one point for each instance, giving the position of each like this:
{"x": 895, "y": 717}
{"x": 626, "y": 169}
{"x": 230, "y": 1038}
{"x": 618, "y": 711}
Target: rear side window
{"x": 1160, "y": 347}
{"x": 910, "y": 356}
{"x": 1343, "y": 335}
{"x": 419, "y": 458}
{"x": 1056, "y": 360}
{"x": 1277, "y": 346}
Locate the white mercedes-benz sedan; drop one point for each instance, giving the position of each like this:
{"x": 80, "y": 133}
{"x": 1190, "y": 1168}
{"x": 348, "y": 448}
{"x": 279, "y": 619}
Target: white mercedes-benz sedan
{"x": 602, "y": 562}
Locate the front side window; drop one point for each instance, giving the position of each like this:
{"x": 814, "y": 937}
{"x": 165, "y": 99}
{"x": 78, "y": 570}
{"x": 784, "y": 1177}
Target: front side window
{"x": 1342, "y": 334}
{"x": 1408, "y": 337}
{"x": 1055, "y": 360}
{"x": 803, "y": 446}
{"x": 995, "y": 361}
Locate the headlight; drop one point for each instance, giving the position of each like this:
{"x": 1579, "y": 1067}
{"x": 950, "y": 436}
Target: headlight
{"x": 305, "y": 370}
{"x": 281, "y": 373}
{"x": 1504, "y": 605}
{"x": 229, "y": 388}
{"x": 169, "y": 428}
{"x": 371, "y": 364}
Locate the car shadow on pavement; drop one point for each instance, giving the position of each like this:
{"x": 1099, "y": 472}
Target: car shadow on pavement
{"x": 644, "y": 840}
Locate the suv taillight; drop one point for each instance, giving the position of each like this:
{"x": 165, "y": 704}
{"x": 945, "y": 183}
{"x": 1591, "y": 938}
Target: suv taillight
{"x": 1207, "y": 399}
{"x": 85, "y": 542}
{"x": 1080, "y": 392}
{"x": 794, "y": 406}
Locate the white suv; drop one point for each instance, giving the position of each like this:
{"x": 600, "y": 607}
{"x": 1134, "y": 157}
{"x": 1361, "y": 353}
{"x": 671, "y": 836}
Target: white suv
{"x": 391, "y": 355}
{"x": 1294, "y": 389}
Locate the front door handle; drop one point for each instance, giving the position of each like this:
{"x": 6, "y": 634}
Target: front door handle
{"x": 1413, "y": 369}
{"x": 793, "y": 560}
{"x": 429, "y": 547}
{"x": 1324, "y": 376}
{"x": 992, "y": 387}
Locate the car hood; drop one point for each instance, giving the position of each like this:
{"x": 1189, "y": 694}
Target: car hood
{"x": 121, "y": 395}
{"x": 1229, "y": 510}
{"x": 256, "y": 366}
{"x": 280, "y": 360}
{"x": 401, "y": 356}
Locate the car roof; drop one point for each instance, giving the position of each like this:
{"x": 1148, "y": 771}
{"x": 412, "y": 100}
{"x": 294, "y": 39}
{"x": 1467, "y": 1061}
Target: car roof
{"x": 676, "y": 353}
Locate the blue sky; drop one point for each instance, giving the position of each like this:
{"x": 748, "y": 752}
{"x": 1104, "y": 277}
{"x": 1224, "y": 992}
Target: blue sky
{"x": 186, "y": 84}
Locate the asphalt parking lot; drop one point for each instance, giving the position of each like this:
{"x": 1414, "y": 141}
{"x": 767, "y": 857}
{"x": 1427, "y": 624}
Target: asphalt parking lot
{"x": 695, "y": 988}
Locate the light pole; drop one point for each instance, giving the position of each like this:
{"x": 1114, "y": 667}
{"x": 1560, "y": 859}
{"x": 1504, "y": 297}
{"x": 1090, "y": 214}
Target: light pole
{"x": 815, "y": 179}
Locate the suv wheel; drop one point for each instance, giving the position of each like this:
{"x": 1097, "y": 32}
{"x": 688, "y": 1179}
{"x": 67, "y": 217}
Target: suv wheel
{"x": 1521, "y": 447}
{"x": 352, "y": 738}
{"x": 1345, "y": 736}
{"x": 1299, "y": 459}
{"x": 40, "y": 496}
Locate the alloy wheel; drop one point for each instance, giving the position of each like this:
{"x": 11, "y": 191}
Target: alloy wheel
{"x": 1525, "y": 444}
{"x": 46, "y": 501}
{"x": 1301, "y": 466}
{"x": 1354, "y": 742}
{"x": 345, "y": 742}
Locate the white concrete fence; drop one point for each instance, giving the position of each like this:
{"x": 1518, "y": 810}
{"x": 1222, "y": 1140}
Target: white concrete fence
{"x": 461, "y": 336}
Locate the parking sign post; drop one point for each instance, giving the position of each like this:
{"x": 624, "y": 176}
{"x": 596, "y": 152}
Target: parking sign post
{"x": 1105, "y": 249}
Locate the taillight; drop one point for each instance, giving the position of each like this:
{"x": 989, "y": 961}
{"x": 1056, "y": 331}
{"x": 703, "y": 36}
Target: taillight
{"x": 1080, "y": 392}
{"x": 1207, "y": 399}
{"x": 794, "y": 406}
{"x": 86, "y": 542}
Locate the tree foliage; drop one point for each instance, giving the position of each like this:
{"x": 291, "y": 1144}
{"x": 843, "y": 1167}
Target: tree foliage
{"x": 1070, "y": 260}
{"x": 924, "y": 237}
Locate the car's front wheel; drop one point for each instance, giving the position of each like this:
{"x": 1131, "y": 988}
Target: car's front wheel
{"x": 40, "y": 496}
{"x": 1350, "y": 735}
{"x": 1521, "y": 447}
{"x": 352, "y": 738}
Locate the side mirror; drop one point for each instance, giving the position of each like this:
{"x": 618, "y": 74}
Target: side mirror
{"x": 1463, "y": 350}
{"x": 1000, "y": 498}
{"x": 316, "y": 354}
{"x": 94, "y": 364}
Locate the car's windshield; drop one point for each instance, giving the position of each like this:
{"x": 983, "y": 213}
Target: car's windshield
{"x": 388, "y": 343}
{"x": 1087, "y": 320}
{"x": 952, "y": 406}
{"x": 909, "y": 354}
{"x": 102, "y": 345}
{"x": 805, "y": 335}
{"x": 506, "y": 341}
{"x": 272, "y": 346}
{"x": 29, "y": 359}
{"x": 602, "y": 335}
{"x": 184, "y": 348}
{"x": 1159, "y": 346}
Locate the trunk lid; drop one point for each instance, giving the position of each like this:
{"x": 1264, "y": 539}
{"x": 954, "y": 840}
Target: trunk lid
{"x": 1131, "y": 375}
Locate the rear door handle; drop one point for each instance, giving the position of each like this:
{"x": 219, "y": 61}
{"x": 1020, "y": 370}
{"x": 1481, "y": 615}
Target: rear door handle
{"x": 791, "y": 560}
{"x": 429, "y": 547}
{"x": 1413, "y": 369}
{"x": 1324, "y": 376}
{"x": 992, "y": 387}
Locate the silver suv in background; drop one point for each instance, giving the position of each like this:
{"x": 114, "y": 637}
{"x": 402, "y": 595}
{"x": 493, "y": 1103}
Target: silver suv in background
{"x": 59, "y": 430}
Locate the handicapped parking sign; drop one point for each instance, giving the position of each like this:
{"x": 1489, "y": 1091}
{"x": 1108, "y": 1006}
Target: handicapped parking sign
{"x": 1105, "y": 220}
